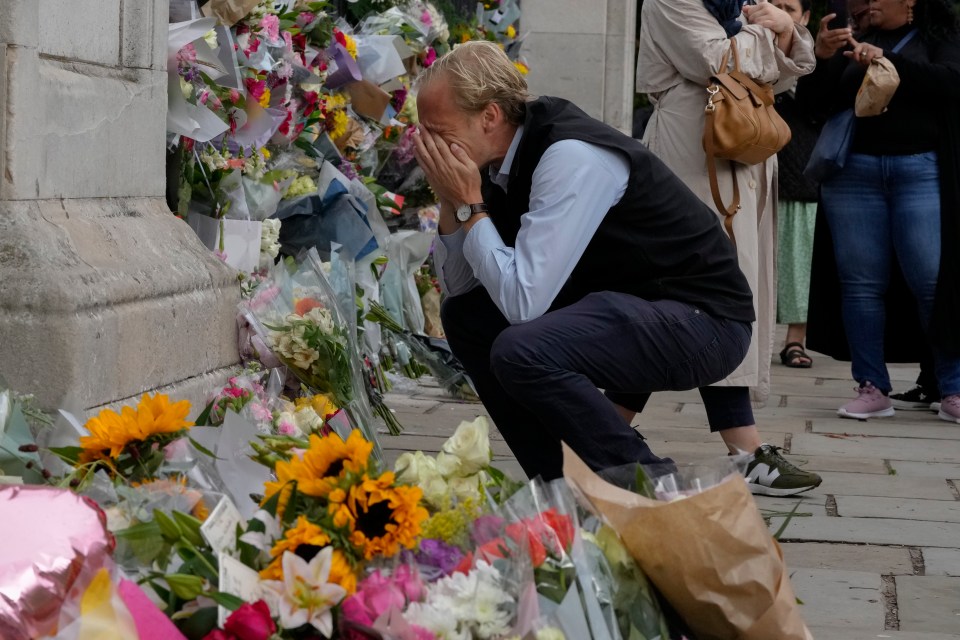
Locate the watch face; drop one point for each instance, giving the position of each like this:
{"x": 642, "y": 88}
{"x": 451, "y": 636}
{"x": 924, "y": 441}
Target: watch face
{"x": 464, "y": 212}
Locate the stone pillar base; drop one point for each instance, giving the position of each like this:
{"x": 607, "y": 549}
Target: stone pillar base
{"x": 102, "y": 299}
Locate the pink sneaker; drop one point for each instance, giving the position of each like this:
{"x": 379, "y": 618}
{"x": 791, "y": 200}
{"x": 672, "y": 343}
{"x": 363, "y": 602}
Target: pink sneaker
{"x": 870, "y": 403}
{"x": 950, "y": 408}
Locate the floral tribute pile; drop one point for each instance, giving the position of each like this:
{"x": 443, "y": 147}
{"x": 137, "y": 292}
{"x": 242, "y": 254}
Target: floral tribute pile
{"x": 290, "y": 129}
{"x": 337, "y": 544}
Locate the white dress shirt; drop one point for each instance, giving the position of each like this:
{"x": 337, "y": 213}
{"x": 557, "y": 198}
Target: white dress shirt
{"x": 573, "y": 187}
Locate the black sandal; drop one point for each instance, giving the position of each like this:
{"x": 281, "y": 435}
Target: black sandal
{"x": 792, "y": 354}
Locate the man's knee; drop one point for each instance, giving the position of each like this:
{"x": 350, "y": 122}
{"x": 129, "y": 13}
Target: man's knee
{"x": 511, "y": 355}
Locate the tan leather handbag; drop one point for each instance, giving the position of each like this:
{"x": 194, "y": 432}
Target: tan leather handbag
{"x": 741, "y": 125}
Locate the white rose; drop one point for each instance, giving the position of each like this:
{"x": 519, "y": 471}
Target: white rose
{"x": 465, "y": 488}
{"x": 307, "y": 419}
{"x": 436, "y": 492}
{"x": 471, "y": 444}
{"x": 448, "y": 465}
{"x": 421, "y": 471}
{"x": 408, "y": 465}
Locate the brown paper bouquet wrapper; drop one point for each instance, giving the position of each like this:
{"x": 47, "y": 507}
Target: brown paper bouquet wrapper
{"x": 710, "y": 555}
{"x": 229, "y": 12}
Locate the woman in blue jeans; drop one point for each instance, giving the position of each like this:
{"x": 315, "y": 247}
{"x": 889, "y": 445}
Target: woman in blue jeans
{"x": 894, "y": 205}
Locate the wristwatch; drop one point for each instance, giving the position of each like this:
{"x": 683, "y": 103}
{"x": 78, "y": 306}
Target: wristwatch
{"x": 466, "y": 211}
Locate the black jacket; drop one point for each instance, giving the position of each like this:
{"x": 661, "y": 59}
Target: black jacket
{"x": 921, "y": 79}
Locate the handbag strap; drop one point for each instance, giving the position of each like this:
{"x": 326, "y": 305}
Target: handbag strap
{"x": 728, "y": 211}
{"x": 904, "y": 40}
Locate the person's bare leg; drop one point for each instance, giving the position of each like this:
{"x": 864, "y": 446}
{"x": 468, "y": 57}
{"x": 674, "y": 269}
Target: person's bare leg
{"x": 797, "y": 333}
{"x": 744, "y": 439}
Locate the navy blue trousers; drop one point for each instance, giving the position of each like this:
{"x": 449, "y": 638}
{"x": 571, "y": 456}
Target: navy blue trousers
{"x": 540, "y": 381}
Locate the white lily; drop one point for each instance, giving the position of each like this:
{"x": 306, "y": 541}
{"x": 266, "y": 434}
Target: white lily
{"x": 305, "y": 596}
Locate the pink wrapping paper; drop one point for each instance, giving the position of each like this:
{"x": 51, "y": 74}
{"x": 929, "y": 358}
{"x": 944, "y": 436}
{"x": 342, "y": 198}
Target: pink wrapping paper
{"x": 53, "y": 542}
{"x": 151, "y": 623}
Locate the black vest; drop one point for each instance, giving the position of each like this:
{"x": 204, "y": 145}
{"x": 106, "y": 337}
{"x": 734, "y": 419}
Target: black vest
{"x": 660, "y": 242}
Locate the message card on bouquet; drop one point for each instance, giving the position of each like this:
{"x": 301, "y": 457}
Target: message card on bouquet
{"x": 240, "y": 239}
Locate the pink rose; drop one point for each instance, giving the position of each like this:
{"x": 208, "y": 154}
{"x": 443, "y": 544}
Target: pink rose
{"x": 376, "y": 595}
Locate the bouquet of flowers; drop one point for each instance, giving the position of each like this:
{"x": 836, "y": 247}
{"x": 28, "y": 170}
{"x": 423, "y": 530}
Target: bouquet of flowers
{"x": 130, "y": 445}
{"x": 329, "y": 513}
{"x": 299, "y": 318}
{"x": 697, "y": 570}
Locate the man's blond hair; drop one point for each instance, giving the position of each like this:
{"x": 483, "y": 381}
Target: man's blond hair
{"x": 480, "y": 73}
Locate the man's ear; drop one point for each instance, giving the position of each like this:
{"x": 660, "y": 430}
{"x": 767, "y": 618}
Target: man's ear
{"x": 492, "y": 115}
{"x": 805, "y": 18}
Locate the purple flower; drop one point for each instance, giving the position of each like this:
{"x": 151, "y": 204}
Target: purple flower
{"x": 439, "y": 554}
{"x": 486, "y": 528}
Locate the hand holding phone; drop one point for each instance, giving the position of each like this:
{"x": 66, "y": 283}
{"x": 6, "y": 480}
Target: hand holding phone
{"x": 839, "y": 9}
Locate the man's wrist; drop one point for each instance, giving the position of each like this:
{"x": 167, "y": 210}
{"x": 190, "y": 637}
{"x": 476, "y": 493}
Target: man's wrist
{"x": 474, "y": 219}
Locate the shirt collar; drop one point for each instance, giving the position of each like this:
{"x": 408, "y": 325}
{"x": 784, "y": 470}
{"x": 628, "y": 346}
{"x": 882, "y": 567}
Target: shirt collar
{"x": 501, "y": 175}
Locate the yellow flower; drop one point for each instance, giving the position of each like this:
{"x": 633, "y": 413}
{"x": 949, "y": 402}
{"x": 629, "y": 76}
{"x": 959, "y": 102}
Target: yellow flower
{"x": 511, "y": 32}
{"x": 336, "y": 101}
{"x": 384, "y": 517}
{"x": 111, "y": 432}
{"x": 342, "y": 573}
{"x": 351, "y": 45}
{"x": 200, "y": 510}
{"x": 265, "y": 99}
{"x": 265, "y": 152}
{"x": 321, "y": 403}
{"x": 522, "y": 68}
{"x": 303, "y": 532}
{"x": 337, "y": 122}
{"x": 452, "y": 525}
{"x": 327, "y": 460}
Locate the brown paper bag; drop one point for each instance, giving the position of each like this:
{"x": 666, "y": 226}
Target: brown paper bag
{"x": 368, "y": 99}
{"x": 229, "y": 12}
{"x": 431, "y": 314}
{"x": 710, "y": 555}
{"x": 877, "y": 89}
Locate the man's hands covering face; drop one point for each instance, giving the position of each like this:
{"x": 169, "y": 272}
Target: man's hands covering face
{"x": 451, "y": 173}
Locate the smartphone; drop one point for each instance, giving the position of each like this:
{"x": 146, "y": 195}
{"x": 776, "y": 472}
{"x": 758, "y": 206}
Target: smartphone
{"x": 838, "y": 7}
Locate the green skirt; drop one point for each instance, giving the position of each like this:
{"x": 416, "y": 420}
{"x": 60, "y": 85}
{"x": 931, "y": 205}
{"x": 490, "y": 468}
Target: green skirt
{"x": 795, "y": 225}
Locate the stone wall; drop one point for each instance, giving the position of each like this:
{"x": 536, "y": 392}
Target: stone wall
{"x": 584, "y": 52}
{"x": 104, "y": 294}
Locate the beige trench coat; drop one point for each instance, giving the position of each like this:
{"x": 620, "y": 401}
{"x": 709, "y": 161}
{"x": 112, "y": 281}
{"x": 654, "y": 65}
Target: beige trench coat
{"x": 681, "y": 46}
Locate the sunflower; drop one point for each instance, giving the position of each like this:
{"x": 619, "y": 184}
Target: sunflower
{"x": 111, "y": 432}
{"x": 302, "y": 533}
{"x": 342, "y": 573}
{"x": 326, "y": 461}
{"x": 383, "y": 517}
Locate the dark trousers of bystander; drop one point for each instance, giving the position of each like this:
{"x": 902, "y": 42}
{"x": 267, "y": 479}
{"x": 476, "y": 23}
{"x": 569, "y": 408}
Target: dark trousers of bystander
{"x": 540, "y": 381}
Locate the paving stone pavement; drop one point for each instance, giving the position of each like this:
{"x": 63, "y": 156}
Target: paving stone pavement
{"x": 874, "y": 551}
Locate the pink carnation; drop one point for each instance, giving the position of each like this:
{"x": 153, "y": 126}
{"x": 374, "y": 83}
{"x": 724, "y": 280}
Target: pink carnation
{"x": 271, "y": 25}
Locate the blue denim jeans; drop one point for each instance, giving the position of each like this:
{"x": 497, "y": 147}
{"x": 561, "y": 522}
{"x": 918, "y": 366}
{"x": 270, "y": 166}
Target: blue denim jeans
{"x": 884, "y": 211}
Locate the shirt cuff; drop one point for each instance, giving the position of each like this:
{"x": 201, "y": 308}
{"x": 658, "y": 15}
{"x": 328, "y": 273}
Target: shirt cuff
{"x": 482, "y": 240}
